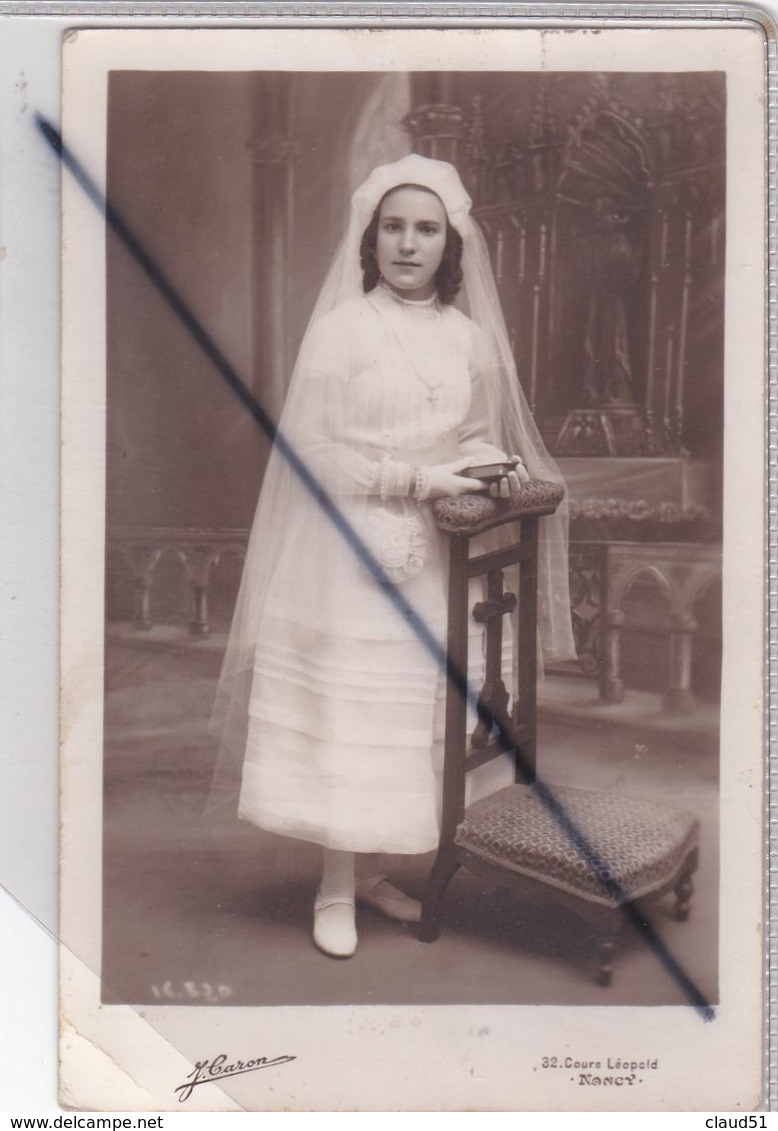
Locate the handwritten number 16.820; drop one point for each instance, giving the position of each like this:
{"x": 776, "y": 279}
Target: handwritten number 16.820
{"x": 191, "y": 991}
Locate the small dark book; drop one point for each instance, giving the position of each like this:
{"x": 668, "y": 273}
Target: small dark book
{"x": 488, "y": 472}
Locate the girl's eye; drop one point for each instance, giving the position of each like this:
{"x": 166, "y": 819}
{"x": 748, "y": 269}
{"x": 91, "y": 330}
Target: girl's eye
{"x": 429, "y": 229}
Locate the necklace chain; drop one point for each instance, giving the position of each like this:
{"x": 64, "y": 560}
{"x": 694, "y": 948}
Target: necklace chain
{"x": 431, "y": 310}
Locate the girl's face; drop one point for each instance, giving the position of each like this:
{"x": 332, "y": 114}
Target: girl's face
{"x": 411, "y": 240}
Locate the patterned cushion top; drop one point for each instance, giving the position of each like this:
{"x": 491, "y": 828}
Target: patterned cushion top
{"x": 600, "y": 847}
{"x": 471, "y": 514}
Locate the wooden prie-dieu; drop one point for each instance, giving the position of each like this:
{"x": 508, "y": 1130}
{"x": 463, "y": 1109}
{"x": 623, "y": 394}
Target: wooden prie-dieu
{"x": 597, "y": 853}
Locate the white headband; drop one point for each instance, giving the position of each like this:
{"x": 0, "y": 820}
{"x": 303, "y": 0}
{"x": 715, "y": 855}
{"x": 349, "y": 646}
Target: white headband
{"x": 437, "y": 176}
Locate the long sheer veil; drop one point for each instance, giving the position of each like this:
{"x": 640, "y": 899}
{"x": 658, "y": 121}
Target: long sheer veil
{"x": 289, "y": 487}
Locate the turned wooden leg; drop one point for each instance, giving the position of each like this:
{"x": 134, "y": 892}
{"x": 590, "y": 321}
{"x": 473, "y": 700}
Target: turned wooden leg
{"x": 606, "y": 935}
{"x": 684, "y": 888}
{"x": 443, "y": 871}
{"x": 606, "y": 948}
{"x": 684, "y": 891}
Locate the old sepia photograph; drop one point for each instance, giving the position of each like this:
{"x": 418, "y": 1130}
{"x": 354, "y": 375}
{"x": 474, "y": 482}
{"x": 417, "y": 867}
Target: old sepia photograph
{"x": 595, "y": 291}
{"x": 414, "y": 541}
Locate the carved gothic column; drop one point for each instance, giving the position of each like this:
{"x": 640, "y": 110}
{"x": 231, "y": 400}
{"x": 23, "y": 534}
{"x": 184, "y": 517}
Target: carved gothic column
{"x": 198, "y": 560}
{"x": 142, "y": 560}
{"x": 612, "y": 684}
{"x": 680, "y": 697}
{"x": 436, "y": 124}
{"x": 271, "y": 151}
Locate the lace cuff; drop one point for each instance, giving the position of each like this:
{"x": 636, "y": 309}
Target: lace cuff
{"x": 393, "y": 479}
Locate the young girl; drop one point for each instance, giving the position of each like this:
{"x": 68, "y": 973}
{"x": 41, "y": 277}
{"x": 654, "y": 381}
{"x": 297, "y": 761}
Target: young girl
{"x": 330, "y": 694}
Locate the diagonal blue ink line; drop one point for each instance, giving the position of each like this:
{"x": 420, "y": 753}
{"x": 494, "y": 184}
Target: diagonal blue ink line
{"x": 455, "y": 676}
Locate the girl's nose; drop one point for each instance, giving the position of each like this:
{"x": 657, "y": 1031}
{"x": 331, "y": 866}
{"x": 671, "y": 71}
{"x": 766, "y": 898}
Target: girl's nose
{"x": 407, "y": 242}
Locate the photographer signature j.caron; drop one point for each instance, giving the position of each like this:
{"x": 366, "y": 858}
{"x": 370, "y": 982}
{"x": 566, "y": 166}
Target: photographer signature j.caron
{"x": 218, "y": 1068}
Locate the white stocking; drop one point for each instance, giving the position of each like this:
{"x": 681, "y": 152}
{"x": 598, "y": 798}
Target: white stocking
{"x": 337, "y": 878}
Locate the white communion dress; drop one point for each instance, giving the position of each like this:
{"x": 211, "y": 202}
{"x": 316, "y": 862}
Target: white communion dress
{"x": 346, "y": 712}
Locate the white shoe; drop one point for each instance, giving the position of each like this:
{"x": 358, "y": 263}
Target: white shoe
{"x": 377, "y": 892}
{"x": 334, "y": 928}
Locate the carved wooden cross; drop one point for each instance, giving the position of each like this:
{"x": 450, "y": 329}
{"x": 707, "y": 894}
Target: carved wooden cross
{"x": 493, "y": 700}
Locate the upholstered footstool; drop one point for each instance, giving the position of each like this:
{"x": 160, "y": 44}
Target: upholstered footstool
{"x": 600, "y": 850}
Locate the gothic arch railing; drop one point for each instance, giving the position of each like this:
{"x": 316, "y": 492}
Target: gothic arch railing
{"x": 682, "y": 571}
{"x": 626, "y": 580}
{"x": 200, "y": 551}
{"x": 704, "y": 579}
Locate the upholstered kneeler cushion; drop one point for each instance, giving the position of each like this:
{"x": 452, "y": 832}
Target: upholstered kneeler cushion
{"x": 640, "y": 844}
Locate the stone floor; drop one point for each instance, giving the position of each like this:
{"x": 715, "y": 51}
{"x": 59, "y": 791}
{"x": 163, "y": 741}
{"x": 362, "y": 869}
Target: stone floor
{"x": 190, "y": 915}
